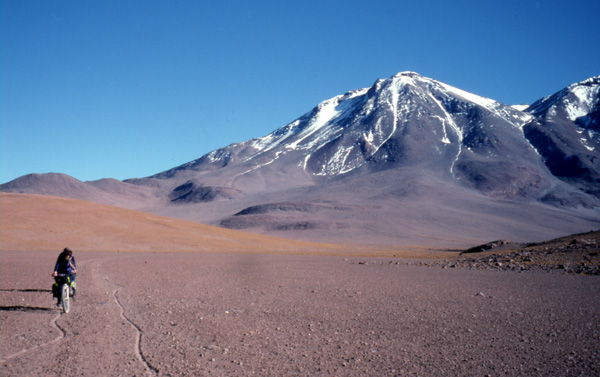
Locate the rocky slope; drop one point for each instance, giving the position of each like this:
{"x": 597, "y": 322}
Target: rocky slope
{"x": 574, "y": 254}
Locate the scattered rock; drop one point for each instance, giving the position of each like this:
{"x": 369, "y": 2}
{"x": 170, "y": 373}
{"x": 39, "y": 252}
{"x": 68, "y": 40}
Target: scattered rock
{"x": 576, "y": 254}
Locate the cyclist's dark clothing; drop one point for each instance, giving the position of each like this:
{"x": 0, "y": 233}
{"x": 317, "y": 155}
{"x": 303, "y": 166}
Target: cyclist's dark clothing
{"x": 65, "y": 271}
{"x": 64, "y": 266}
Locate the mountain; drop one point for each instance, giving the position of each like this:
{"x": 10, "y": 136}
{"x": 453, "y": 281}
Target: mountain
{"x": 565, "y": 131}
{"x": 409, "y": 161}
{"x": 404, "y": 121}
{"x": 407, "y": 120}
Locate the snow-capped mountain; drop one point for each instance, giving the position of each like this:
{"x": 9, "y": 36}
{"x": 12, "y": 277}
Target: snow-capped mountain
{"x": 408, "y": 160}
{"x": 405, "y": 120}
{"x": 565, "y": 130}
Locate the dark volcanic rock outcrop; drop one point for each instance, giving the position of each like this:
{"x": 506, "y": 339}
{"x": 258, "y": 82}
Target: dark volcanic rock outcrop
{"x": 194, "y": 192}
{"x": 574, "y": 254}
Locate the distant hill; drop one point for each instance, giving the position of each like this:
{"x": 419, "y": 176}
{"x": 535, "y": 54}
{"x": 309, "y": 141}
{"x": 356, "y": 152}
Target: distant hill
{"x": 46, "y": 223}
{"x": 105, "y": 191}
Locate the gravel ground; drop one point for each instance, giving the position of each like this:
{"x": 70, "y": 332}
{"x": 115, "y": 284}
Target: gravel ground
{"x": 161, "y": 314}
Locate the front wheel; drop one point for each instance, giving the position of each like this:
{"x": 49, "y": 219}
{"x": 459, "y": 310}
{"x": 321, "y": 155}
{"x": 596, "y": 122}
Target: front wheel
{"x": 65, "y": 298}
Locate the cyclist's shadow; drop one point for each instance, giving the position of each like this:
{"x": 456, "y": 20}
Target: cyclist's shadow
{"x": 19, "y": 308}
{"x": 25, "y": 309}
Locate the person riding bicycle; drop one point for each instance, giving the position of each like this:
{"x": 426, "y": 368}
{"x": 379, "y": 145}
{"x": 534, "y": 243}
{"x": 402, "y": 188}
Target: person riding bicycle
{"x": 65, "y": 265}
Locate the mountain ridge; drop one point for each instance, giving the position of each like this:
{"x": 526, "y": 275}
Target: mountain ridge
{"x": 419, "y": 138}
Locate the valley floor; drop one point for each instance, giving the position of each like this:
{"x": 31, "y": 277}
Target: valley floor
{"x": 161, "y": 314}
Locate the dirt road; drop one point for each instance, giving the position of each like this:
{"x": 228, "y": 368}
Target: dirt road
{"x": 161, "y": 314}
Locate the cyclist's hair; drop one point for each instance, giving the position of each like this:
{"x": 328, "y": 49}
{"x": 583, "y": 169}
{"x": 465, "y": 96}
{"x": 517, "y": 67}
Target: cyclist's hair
{"x": 66, "y": 252}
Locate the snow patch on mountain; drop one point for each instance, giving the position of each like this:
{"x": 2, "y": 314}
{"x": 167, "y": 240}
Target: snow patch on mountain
{"x": 583, "y": 102}
{"x": 522, "y": 107}
{"x": 454, "y": 127}
{"x": 327, "y": 114}
{"x": 487, "y": 103}
{"x": 577, "y": 100}
{"x": 272, "y": 140}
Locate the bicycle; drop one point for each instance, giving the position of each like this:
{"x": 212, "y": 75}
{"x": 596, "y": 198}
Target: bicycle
{"x": 64, "y": 284}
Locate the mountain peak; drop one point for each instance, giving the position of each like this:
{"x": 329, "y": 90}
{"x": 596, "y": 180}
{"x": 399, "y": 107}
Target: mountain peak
{"x": 577, "y": 99}
{"x": 407, "y": 74}
{"x": 399, "y": 78}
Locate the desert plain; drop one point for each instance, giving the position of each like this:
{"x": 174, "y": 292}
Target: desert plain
{"x": 202, "y": 314}
{"x": 227, "y": 303}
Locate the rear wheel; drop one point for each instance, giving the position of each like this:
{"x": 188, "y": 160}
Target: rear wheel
{"x": 66, "y": 304}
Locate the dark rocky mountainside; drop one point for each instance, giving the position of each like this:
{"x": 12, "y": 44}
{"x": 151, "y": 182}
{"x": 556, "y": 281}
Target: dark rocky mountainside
{"x": 409, "y": 161}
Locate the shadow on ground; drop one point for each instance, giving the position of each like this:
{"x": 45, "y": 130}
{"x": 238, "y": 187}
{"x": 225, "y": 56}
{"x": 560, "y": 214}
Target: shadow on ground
{"x": 24, "y": 309}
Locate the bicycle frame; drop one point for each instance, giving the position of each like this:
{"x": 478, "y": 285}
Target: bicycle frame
{"x": 64, "y": 291}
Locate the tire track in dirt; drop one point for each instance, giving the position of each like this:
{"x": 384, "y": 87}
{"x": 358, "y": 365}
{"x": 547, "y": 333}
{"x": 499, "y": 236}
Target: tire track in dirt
{"x": 60, "y": 337}
{"x": 53, "y": 323}
{"x": 138, "y": 339}
{"x": 97, "y": 283}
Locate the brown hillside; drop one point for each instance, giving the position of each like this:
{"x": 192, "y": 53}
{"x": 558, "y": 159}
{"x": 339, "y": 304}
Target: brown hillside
{"x": 37, "y": 222}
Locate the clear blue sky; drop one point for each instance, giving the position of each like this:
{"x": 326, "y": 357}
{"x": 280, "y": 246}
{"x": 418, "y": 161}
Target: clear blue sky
{"x": 126, "y": 89}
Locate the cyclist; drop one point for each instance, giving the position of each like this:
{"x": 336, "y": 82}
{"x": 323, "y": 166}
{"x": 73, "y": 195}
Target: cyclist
{"x": 65, "y": 264}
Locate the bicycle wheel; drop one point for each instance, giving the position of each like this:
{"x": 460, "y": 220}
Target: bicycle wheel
{"x": 66, "y": 304}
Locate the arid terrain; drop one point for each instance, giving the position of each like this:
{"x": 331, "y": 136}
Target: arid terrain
{"x": 175, "y": 298}
{"x": 38, "y": 222}
{"x": 176, "y": 314}
{"x": 43, "y": 223}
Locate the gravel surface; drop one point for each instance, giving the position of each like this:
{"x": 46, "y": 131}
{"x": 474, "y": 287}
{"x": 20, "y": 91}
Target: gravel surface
{"x": 177, "y": 314}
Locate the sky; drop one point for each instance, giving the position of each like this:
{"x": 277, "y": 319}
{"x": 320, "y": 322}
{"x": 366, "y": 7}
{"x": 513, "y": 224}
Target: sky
{"x": 128, "y": 89}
